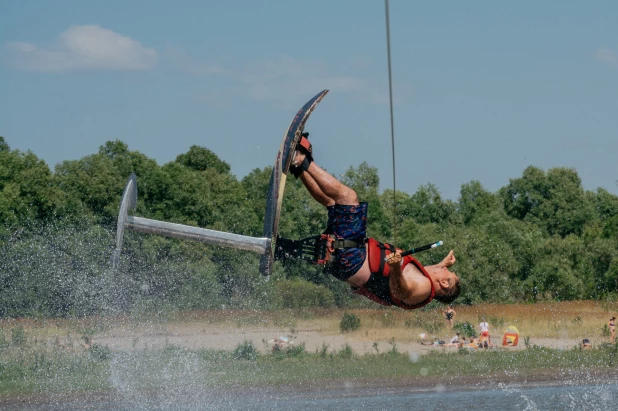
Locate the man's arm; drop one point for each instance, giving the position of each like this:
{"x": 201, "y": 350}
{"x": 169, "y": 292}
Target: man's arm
{"x": 447, "y": 261}
{"x": 396, "y": 280}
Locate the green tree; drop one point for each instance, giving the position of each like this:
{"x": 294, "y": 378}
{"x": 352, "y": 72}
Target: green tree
{"x": 27, "y": 192}
{"x": 605, "y": 204}
{"x": 4, "y": 145}
{"x": 255, "y": 185}
{"x": 561, "y": 271}
{"x": 606, "y": 207}
{"x": 427, "y": 206}
{"x": 475, "y": 202}
{"x": 201, "y": 158}
{"x": 97, "y": 181}
{"x": 554, "y": 200}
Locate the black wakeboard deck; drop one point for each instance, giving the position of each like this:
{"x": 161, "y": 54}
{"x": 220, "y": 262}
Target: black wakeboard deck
{"x": 278, "y": 178}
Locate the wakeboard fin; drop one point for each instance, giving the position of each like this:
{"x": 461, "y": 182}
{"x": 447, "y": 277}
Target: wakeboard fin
{"x": 128, "y": 203}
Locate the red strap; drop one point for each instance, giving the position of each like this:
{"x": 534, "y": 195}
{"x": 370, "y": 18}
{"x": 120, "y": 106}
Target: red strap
{"x": 305, "y": 144}
{"x": 377, "y": 266}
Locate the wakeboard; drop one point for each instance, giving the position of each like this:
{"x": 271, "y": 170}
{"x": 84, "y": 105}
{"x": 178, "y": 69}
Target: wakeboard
{"x": 278, "y": 178}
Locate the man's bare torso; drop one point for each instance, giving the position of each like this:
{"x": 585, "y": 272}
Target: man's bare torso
{"x": 420, "y": 285}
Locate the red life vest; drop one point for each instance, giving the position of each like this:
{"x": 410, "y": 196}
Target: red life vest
{"x": 377, "y": 288}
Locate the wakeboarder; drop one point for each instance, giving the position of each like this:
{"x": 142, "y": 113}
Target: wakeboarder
{"x": 360, "y": 261}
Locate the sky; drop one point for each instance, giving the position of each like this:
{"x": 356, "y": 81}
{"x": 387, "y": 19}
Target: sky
{"x": 482, "y": 89}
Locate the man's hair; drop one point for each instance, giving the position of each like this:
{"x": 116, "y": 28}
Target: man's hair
{"x": 448, "y": 296}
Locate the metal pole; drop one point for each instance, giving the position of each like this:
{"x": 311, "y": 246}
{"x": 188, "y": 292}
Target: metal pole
{"x": 390, "y": 94}
{"x": 204, "y": 235}
{"x": 163, "y": 228}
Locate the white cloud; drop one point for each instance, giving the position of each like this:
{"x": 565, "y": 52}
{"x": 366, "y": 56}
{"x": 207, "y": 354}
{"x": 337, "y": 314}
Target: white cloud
{"x": 83, "y": 48}
{"x": 607, "y": 56}
{"x": 286, "y": 78}
{"x": 281, "y": 80}
{"x": 278, "y": 80}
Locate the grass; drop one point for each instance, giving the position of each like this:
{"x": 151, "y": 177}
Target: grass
{"x": 36, "y": 370}
{"x": 39, "y": 355}
{"x": 47, "y": 355}
{"x": 572, "y": 320}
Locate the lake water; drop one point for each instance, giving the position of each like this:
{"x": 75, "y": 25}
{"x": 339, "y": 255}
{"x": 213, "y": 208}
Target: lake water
{"x": 501, "y": 397}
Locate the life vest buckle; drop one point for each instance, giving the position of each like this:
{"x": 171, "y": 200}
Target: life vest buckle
{"x": 327, "y": 253}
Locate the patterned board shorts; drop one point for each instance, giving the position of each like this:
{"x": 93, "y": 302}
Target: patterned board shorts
{"x": 348, "y": 222}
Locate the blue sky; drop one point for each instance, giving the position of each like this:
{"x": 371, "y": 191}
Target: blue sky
{"x": 483, "y": 89}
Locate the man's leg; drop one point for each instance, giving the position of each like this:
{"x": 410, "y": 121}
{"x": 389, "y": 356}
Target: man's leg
{"x": 313, "y": 188}
{"x": 329, "y": 187}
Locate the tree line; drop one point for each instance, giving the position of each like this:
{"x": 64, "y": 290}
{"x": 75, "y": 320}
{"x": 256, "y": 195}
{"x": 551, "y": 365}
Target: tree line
{"x": 540, "y": 237}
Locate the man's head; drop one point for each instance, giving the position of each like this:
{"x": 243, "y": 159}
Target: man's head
{"x": 445, "y": 283}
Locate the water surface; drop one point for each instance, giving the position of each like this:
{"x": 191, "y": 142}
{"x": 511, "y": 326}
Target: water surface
{"x": 598, "y": 396}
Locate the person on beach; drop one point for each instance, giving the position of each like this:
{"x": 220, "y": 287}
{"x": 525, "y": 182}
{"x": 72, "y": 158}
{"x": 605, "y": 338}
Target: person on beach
{"x": 485, "y": 339}
{"x": 436, "y": 343}
{"x": 612, "y": 329}
{"x": 455, "y": 341}
{"x": 474, "y": 342}
{"x": 373, "y": 269}
{"x": 449, "y": 315}
{"x": 87, "y": 342}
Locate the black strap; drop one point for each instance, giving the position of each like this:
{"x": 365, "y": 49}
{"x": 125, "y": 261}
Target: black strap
{"x": 341, "y": 243}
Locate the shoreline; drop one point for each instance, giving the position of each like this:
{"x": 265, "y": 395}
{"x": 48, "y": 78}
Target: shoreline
{"x": 192, "y": 345}
{"x": 348, "y": 387}
{"x": 550, "y": 325}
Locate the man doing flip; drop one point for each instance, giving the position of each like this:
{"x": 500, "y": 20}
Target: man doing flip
{"x": 373, "y": 269}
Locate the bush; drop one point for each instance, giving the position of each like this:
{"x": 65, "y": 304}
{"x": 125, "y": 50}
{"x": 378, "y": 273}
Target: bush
{"x": 349, "y": 322}
{"x": 245, "y": 351}
{"x": 100, "y": 352}
{"x": 300, "y": 293}
{"x": 466, "y": 328}
{"x": 291, "y": 351}
{"x": 393, "y": 350}
{"x": 323, "y": 351}
{"x": 346, "y": 352}
{"x": 296, "y": 351}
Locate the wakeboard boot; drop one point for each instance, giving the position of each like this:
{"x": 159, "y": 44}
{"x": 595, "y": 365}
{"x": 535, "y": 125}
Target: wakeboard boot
{"x": 304, "y": 146}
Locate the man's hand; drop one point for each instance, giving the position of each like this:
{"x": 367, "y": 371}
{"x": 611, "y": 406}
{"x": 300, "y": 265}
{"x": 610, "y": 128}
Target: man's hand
{"x": 449, "y": 260}
{"x": 394, "y": 259}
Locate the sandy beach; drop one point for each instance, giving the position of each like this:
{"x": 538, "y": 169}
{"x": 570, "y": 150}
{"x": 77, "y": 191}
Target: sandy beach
{"x": 551, "y": 325}
{"x": 213, "y": 337}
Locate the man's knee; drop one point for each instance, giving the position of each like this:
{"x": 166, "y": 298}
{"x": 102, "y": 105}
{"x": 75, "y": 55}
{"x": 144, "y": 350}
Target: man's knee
{"x": 348, "y": 196}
